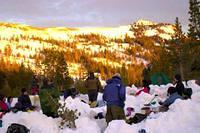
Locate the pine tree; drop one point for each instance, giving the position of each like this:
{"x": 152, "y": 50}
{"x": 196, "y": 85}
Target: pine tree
{"x": 55, "y": 66}
{"x": 178, "y": 35}
{"x": 194, "y": 20}
{"x": 178, "y": 40}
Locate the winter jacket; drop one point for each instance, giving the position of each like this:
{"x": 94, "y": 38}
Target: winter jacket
{"x": 172, "y": 98}
{"x": 68, "y": 83}
{"x": 180, "y": 88}
{"x": 93, "y": 84}
{"x": 3, "y": 106}
{"x": 145, "y": 89}
{"x": 114, "y": 92}
{"x": 35, "y": 90}
{"x": 25, "y": 102}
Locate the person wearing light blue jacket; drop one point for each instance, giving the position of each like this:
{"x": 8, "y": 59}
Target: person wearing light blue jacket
{"x": 171, "y": 99}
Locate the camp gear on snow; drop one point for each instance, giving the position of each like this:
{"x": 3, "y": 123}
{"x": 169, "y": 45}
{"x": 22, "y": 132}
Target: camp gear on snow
{"x": 151, "y": 101}
{"x": 187, "y": 93}
{"x": 1, "y": 123}
{"x": 142, "y": 131}
{"x": 93, "y": 104}
{"x": 138, "y": 117}
{"x": 129, "y": 111}
{"x": 99, "y": 116}
{"x": 17, "y": 128}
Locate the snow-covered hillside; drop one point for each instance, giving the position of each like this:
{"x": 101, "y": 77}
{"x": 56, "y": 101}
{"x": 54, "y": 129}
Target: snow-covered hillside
{"x": 182, "y": 117}
{"x": 22, "y": 43}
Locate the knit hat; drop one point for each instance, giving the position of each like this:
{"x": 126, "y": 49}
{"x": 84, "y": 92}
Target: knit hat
{"x": 117, "y": 75}
{"x": 23, "y": 90}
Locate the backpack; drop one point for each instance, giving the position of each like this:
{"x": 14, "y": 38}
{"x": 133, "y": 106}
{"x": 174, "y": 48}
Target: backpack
{"x": 17, "y": 128}
{"x": 137, "y": 118}
{"x": 187, "y": 93}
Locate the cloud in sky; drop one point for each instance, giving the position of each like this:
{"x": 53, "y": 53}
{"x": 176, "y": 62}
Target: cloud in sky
{"x": 78, "y": 13}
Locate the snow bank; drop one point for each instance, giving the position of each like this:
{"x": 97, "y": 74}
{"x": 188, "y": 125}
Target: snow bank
{"x": 35, "y": 121}
{"x": 182, "y": 117}
{"x": 119, "y": 126}
{"x": 84, "y": 125}
{"x": 86, "y": 122}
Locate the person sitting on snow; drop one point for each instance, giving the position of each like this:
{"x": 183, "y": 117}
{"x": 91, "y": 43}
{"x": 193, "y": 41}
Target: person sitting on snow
{"x": 145, "y": 111}
{"x": 24, "y": 102}
{"x": 146, "y": 88}
{"x": 179, "y": 85}
{"x": 173, "y": 95}
{"x": 3, "y": 106}
{"x": 9, "y": 102}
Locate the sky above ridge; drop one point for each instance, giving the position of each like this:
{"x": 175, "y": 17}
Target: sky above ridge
{"x": 92, "y": 13}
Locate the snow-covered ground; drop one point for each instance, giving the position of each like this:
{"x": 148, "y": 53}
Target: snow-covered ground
{"x": 182, "y": 117}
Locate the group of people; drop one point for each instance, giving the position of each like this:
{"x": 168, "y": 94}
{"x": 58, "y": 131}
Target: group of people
{"x": 23, "y": 103}
{"x": 114, "y": 95}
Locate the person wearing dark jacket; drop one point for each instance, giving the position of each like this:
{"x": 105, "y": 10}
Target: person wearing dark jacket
{"x": 179, "y": 85}
{"x": 24, "y": 102}
{"x": 93, "y": 86}
{"x": 115, "y": 95}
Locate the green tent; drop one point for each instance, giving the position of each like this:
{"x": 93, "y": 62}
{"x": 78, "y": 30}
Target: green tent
{"x": 159, "y": 79}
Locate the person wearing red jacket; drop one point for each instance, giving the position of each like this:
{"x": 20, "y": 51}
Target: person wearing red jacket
{"x": 146, "y": 88}
{"x": 3, "y": 106}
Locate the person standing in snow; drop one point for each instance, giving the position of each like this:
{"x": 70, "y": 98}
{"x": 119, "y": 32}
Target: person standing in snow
{"x": 68, "y": 87}
{"x": 146, "y": 72}
{"x": 179, "y": 85}
{"x": 93, "y": 86}
{"x": 115, "y": 95}
{"x": 35, "y": 85}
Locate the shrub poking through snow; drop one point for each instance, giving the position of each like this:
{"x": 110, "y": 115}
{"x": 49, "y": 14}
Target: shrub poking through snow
{"x": 67, "y": 116}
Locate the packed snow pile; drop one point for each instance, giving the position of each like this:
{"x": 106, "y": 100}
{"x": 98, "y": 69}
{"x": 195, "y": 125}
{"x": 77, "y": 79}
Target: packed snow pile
{"x": 182, "y": 117}
{"x": 35, "y": 121}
